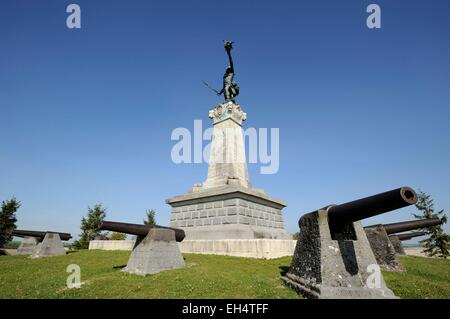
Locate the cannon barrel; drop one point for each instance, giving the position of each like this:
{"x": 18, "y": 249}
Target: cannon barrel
{"x": 409, "y": 225}
{"x": 39, "y": 234}
{"x": 372, "y": 205}
{"x": 408, "y": 236}
{"x": 138, "y": 230}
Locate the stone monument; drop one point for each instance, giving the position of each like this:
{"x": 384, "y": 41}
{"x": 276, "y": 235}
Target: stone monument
{"x": 226, "y": 206}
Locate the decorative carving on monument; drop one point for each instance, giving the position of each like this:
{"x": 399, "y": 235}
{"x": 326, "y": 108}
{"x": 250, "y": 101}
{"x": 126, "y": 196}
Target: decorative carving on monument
{"x": 228, "y": 110}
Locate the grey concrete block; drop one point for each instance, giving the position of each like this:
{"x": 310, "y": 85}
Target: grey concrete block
{"x": 212, "y": 213}
{"x": 230, "y": 220}
{"x": 221, "y": 212}
{"x": 203, "y": 214}
{"x": 231, "y": 211}
{"x": 27, "y": 246}
{"x": 218, "y": 204}
{"x": 51, "y": 245}
{"x": 217, "y": 221}
{"x": 187, "y": 215}
{"x": 200, "y": 206}
{"x": 154, "y": 253}
{"x": 383, "y": 249}
{"x": 230, "y": 202}
{"x": 243, "y": 203}
{"x": 176, "y": 209}
{"x": 209, "y": 205}
{"x": 397, "y": 244}
{"x": 244, "y": 220}
{"x": 198, "y": 222}
{"x": 195, "y": 214}
{"x": 192, "y": 207}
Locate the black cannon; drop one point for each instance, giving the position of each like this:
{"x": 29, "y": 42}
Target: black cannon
{"x": 372, "y": 205}
{"x": 408, "y": 225}
{"x": 138, "y": 230}
{"x": 39, "y": 234}
{"x": 408, "y": 236}
{"x": 41, "y": 243}
{"x": 333, "y": 244}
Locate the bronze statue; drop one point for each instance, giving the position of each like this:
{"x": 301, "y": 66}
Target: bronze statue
{"x": 230, "y": 88}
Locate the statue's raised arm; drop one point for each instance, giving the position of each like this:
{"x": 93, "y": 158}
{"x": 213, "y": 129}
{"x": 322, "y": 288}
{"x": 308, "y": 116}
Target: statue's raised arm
{"x": 230, "y": 88}
{"x": 228, "y": 46}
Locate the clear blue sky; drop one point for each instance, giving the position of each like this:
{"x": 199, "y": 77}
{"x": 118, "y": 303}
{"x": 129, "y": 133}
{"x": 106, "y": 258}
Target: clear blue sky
{"x": 86, "y": 115}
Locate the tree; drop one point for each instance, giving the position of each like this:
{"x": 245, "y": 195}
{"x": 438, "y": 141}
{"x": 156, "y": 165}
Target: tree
{"x": 8, "y": 219}
{"x": 90, "y": 226}
{"x": 151, "y": 221}
{"x": 438, "y": 243}
{"x": 117, "y": 236}
{"x": 296, "y": 236}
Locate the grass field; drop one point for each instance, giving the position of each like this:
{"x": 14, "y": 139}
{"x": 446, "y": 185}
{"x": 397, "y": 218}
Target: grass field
{"x": 205, "y": 276}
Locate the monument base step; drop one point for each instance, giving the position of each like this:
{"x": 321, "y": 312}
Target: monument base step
{"x": 250, "y": 248}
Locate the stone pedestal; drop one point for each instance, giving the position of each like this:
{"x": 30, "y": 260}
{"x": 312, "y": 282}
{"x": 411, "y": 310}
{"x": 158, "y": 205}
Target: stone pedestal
{"x": 228, "y": 212}
{"x": 50, "y": 246}
{"x": 27, "y": 246}
{"x": 328, "y": 263}
{"x": 397, "y": 244}
{"x": 383, "y": 249}
{"x": 226, "y": 206}
{"x": 155, "y": 252}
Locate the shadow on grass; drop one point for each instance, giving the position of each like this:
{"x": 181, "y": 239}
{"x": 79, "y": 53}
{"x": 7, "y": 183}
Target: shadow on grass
{"x": 72, "y": 251}
{"x": 283, "y": 270}
{"x": 119, "y": 267}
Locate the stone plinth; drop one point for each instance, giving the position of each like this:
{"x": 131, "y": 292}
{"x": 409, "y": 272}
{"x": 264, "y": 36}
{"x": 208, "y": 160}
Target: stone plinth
{"x": 50, "y": 246}
{"x": 111, "y": 244}
{"x": 397, "y": 244}
{"x": 27, "y": 246}
{"x": 228, "y": 212}
{"x": 383, "y": 249}
{"x": 249, "y": 248}
{"x": 333, "y": 263}
{"x": 155, "y": 252}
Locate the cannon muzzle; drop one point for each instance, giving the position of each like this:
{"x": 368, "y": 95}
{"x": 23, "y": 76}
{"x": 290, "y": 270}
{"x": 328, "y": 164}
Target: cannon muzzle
{"x": 138, "y": 230}
{"x": 372, "y": 205}
{"x": 409, "y": 225}
{"x": 39, "y": 234}
{"x": 408, "y": 236}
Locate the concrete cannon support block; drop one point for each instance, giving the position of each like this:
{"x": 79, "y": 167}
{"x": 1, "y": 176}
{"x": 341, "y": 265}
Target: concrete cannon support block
{"x": 331, "y": 263}
{"x": 50, "y": 246}
{"x": 27, "y": 246}
{"x": 155, "y": 252}
{"x": 383, "y": 249}
{"x": 397, "y": 244}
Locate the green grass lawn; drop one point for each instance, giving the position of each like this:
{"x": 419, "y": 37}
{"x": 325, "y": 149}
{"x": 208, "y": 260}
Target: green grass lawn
{"x": 205, "y": 276}
{"x": 426, "y": 278}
